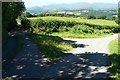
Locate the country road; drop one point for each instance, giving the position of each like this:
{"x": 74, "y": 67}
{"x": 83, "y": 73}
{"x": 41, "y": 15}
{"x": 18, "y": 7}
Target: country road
{"x": 94, "y": 45}
{"x": 88, "y": 60}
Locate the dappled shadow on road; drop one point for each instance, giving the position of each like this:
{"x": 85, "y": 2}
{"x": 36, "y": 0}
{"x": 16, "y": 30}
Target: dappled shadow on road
{"x": 83, "y": 65}
{"x": 75, "y": 45}
{"x": 30, "y": 64}
{"x": 8, "y": 50}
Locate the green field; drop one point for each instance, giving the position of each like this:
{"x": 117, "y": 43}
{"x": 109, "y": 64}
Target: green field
{"x": 89, "y": 21}
{"x": 68, "y": 27}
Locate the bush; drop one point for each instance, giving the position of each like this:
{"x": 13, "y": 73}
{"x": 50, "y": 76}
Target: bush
{"x": 25, "y": 22}
{"x": 90, "y": 16}
{"x": 26, "y": 25}
{"x": 117, "y": 21}
{"x": 82, "y": 29}
{"x": 51, "y": 25}
{"x": 113, "y": 18}
{"x": 116, "y": 29}
{"x": 107, "y": 31}
{"x": 63, "y": 29}
{"x": 102, "y": 17}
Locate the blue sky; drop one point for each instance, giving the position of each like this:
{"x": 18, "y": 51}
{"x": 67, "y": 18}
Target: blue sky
{"x": 32, "y": 3}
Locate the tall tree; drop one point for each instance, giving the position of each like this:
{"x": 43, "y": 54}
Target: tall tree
{"x": 10, "y": 12}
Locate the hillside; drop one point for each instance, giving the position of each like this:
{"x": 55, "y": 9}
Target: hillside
{"x": 75, "y": 6}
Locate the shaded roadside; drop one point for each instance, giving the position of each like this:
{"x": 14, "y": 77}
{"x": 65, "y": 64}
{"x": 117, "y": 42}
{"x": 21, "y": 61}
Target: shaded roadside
{"x": 8, "y": 50}
{"x": 30, "y": 64}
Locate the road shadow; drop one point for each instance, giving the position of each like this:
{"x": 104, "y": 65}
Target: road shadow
{"x": 76, "y": 45}
{"x": 8, "y": 50}
{"x": 80, "y": 66}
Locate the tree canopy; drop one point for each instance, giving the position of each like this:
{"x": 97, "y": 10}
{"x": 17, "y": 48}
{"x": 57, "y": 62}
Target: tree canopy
{"x": 10, "y": 12}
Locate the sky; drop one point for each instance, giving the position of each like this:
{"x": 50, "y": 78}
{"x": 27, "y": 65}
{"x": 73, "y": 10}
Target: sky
{"x": 34, "y": 3}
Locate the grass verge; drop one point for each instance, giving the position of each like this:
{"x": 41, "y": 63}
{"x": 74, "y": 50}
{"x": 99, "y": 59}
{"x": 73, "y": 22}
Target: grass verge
{"x": 79, "y": 35}
{"x": 115, "y": 58}
{"x": 51, "y": 46}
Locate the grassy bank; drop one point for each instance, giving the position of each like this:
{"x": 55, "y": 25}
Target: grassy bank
{"x": 79, "y": 35}
{"x": 115, "y": 58}
{"x": 113, "y": 47}
{"x": 51, "y": 46}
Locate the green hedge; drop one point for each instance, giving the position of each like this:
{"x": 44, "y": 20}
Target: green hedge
{"x": 50, "y": 26}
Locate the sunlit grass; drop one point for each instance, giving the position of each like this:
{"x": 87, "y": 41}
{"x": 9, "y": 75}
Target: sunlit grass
{"x": 51, "y": 46}
{"x": 79, "y": 35}
{"x": 115, "y": 58}
{"x": 113, "y": 46}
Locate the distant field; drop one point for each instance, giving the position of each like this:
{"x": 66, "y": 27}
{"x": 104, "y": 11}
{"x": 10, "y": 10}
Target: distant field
{"x": 89, "y": 21}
